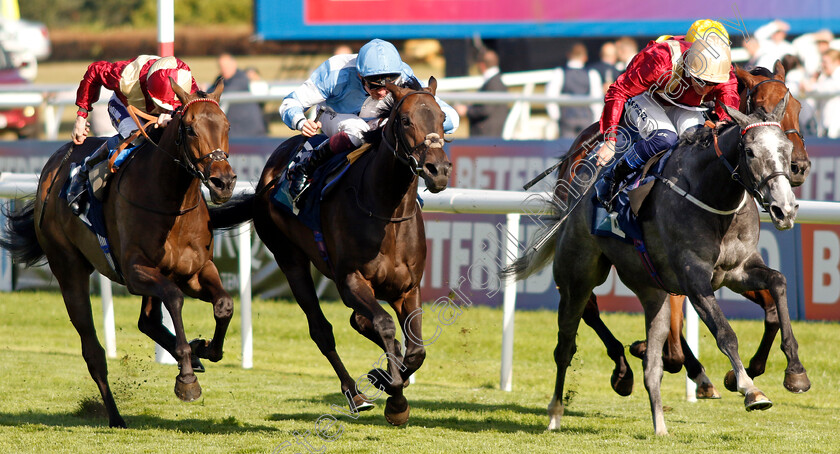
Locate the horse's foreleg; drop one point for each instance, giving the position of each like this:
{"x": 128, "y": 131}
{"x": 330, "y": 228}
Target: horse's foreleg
{"x": 759, "y": 276}
{"x": 771, "y": 326}
{"x": 702, "y": 298}
{"x": 410, "y": 315}
{"x": 207, "y": 286}
{"x": 657, "y": 315}
{"x": 697, "y": 373}
{"x": 357, "y": 294}
{"x": 147, "y": 280}
{"x": 622, "y": 376}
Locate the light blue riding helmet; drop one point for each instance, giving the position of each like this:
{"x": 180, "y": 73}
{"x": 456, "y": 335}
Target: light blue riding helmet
{"x": 378, "y": 57}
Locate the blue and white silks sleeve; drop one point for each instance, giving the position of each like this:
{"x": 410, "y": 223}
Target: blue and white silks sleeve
{"x": 314, "y": 90}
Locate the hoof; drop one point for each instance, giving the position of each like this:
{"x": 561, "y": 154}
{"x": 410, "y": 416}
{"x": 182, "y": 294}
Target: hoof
{"x": 361, "y": 403}
{"x": 638, "y": 349}
{"x": 201, "y": 349}
{"x": 383, "y": 380}
{"x": 797, "y": 383}
{"x": 707, "y": 391}
{"x": 397, "y": 410}
{"x": 117, "y": 422}
{"x": 730, "y": 382}
{"x": 622, "y": 383}
{"x": 756, "y": 400}
{"x": 187, "y": 392}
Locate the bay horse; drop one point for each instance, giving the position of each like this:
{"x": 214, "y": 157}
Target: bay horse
{"x": 705, "y": 252}
{"x": 373, "y": 239}
{"x": 158, "y": 226}
{"x": 760, "y": 89}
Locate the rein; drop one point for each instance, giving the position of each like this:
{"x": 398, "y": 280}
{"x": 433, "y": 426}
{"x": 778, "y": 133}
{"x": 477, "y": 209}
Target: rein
{"x": 755, "y": 191}
{"x": 190, "y": 166}
{"x": 407, "y": 159}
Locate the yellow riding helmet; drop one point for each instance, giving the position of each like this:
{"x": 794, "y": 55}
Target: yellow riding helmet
{"x": 708, "y": 58}
{"x": 700, "y": 28}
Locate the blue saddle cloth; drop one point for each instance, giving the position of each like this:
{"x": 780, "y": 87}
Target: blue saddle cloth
{"x": 324, "y": 179}
{"x": 623, "y": 223}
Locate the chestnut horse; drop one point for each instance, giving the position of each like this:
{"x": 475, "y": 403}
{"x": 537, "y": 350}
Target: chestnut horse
{"x": 373, "y": 239}
{"x": 760, "y": 90}
{"x": 158, "y": 226}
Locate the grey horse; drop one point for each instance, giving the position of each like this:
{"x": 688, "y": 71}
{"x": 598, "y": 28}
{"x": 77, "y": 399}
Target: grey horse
{"x": 708, "y": 249}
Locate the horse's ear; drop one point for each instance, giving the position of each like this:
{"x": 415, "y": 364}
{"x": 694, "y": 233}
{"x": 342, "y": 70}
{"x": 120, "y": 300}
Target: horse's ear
{"x": 779, "y": 110}
{"x": 779, "y": 71}
{"x": 745, "y": 77}
{"x": 736, "y": 114}
{"x": 395, "y": 90}
{"x": 217, "y": 92}
{"x": 432, "y": 85}
{"x": 182, "y": 95}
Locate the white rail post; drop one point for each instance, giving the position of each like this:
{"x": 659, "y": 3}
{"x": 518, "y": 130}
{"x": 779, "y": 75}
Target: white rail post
{"x": 245, "y": 295}
{"x": 109, "y": 329}
{"x": 162, "y": 356}
{"x": 692, "y": 328}
{"x": 511, "y": 242}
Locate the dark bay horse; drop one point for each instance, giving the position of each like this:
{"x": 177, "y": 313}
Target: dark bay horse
{"x": 705, "y": 252}
{"x": 760, "y": 90}
{"x": 374, "y": 239}
{"x": 158, "y": 226}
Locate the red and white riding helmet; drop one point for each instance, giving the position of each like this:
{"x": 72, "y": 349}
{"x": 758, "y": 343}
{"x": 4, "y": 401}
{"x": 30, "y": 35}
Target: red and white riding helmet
{"x": 157, "y": 82}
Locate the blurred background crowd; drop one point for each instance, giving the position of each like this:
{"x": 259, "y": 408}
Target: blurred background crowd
{"x": 53, "y": 53}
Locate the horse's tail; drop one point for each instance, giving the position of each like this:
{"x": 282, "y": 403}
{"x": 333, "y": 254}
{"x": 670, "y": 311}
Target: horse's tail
{"x": 19, "y": 236}
{"x": 235, "y": 211}
{"x": 540, "y": 250}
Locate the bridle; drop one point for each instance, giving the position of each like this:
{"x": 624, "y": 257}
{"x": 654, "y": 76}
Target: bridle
{"x": 754, "y": 190}
{"x": 749, "y": 111}
{"x": 181, "y": 142}
{"x": 407, "y": 157}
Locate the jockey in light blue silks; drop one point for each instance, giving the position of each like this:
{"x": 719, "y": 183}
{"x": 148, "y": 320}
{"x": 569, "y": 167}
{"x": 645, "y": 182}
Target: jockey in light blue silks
{"x": 353, "y": 86}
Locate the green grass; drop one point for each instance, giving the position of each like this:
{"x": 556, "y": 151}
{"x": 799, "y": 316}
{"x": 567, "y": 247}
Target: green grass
{"x": 49, "y": 403}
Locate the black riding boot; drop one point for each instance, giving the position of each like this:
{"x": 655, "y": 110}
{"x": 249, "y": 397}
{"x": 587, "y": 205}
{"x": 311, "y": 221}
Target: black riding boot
{"x": 77, "y": 190}
{"x": 607, "y": 187}
{"x": 300, "y": 172}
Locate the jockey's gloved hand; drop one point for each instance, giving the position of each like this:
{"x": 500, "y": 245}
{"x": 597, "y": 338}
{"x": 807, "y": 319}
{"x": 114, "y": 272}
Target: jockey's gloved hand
{"x": 309, "y": 128}
{"x": 606, "y": 152}
{"x": 80, "y": 130}
{"x": 163, "y": 119}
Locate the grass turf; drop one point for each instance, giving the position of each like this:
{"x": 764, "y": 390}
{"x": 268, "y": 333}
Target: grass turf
{"x": 50, "y": 404}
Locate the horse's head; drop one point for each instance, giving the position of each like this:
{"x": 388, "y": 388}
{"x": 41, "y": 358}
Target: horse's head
{"x": 759, "y": 92}
{"x": 417, "y": 122}
{"x": 203, "y": 139}
{"x": 764, "y": 156}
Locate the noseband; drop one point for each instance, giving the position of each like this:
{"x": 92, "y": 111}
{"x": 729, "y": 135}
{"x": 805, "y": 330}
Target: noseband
{"x": 407, "y": 157}
{"x": 749, "y": 111}
{"x": 754, "y": 190}
{"x": 181, "y": 142}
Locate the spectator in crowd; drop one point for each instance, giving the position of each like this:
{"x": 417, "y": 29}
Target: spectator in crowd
{"x": 626, "y": 48}
{"x": 772, "y": 45}
{"x": 342, "y": 49}
{"x": 753, "y": 48}
{"x": 794, "y": 77}
{"x": 606, "y": 65}
{"x": 575, "y": 79}
{"x": 246, "y": 119}
{"x": 487, "y": 120}
{"x": 828, "y": 82}
{"x": 810, "y": 47}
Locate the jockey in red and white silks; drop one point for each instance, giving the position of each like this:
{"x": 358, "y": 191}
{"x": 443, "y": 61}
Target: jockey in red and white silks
{"x": 142, "y": 82}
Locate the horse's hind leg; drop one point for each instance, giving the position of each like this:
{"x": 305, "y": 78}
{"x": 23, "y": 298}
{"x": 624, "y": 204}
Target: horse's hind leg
{"x": 622, "y": 376}
{"x": 697, "y": 373}
{"x": 207, "y": 286}
{"x": 75, "y": 288}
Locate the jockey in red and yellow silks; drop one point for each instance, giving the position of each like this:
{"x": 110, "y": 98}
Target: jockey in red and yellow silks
{"x": 660, "y": 95}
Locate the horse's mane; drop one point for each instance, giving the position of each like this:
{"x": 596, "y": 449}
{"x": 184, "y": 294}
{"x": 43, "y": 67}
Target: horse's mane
{"x": 386, "y": 105}
{"x": 757, "y": 71}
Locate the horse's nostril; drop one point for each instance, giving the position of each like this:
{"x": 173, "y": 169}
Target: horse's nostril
{"x": 777, "y": 212}
{"x": 431, "y": 170}
{"x": 217, "y": 182}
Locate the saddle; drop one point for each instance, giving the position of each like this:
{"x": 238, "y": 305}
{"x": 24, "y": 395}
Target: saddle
{"x": 324, "y": 179}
